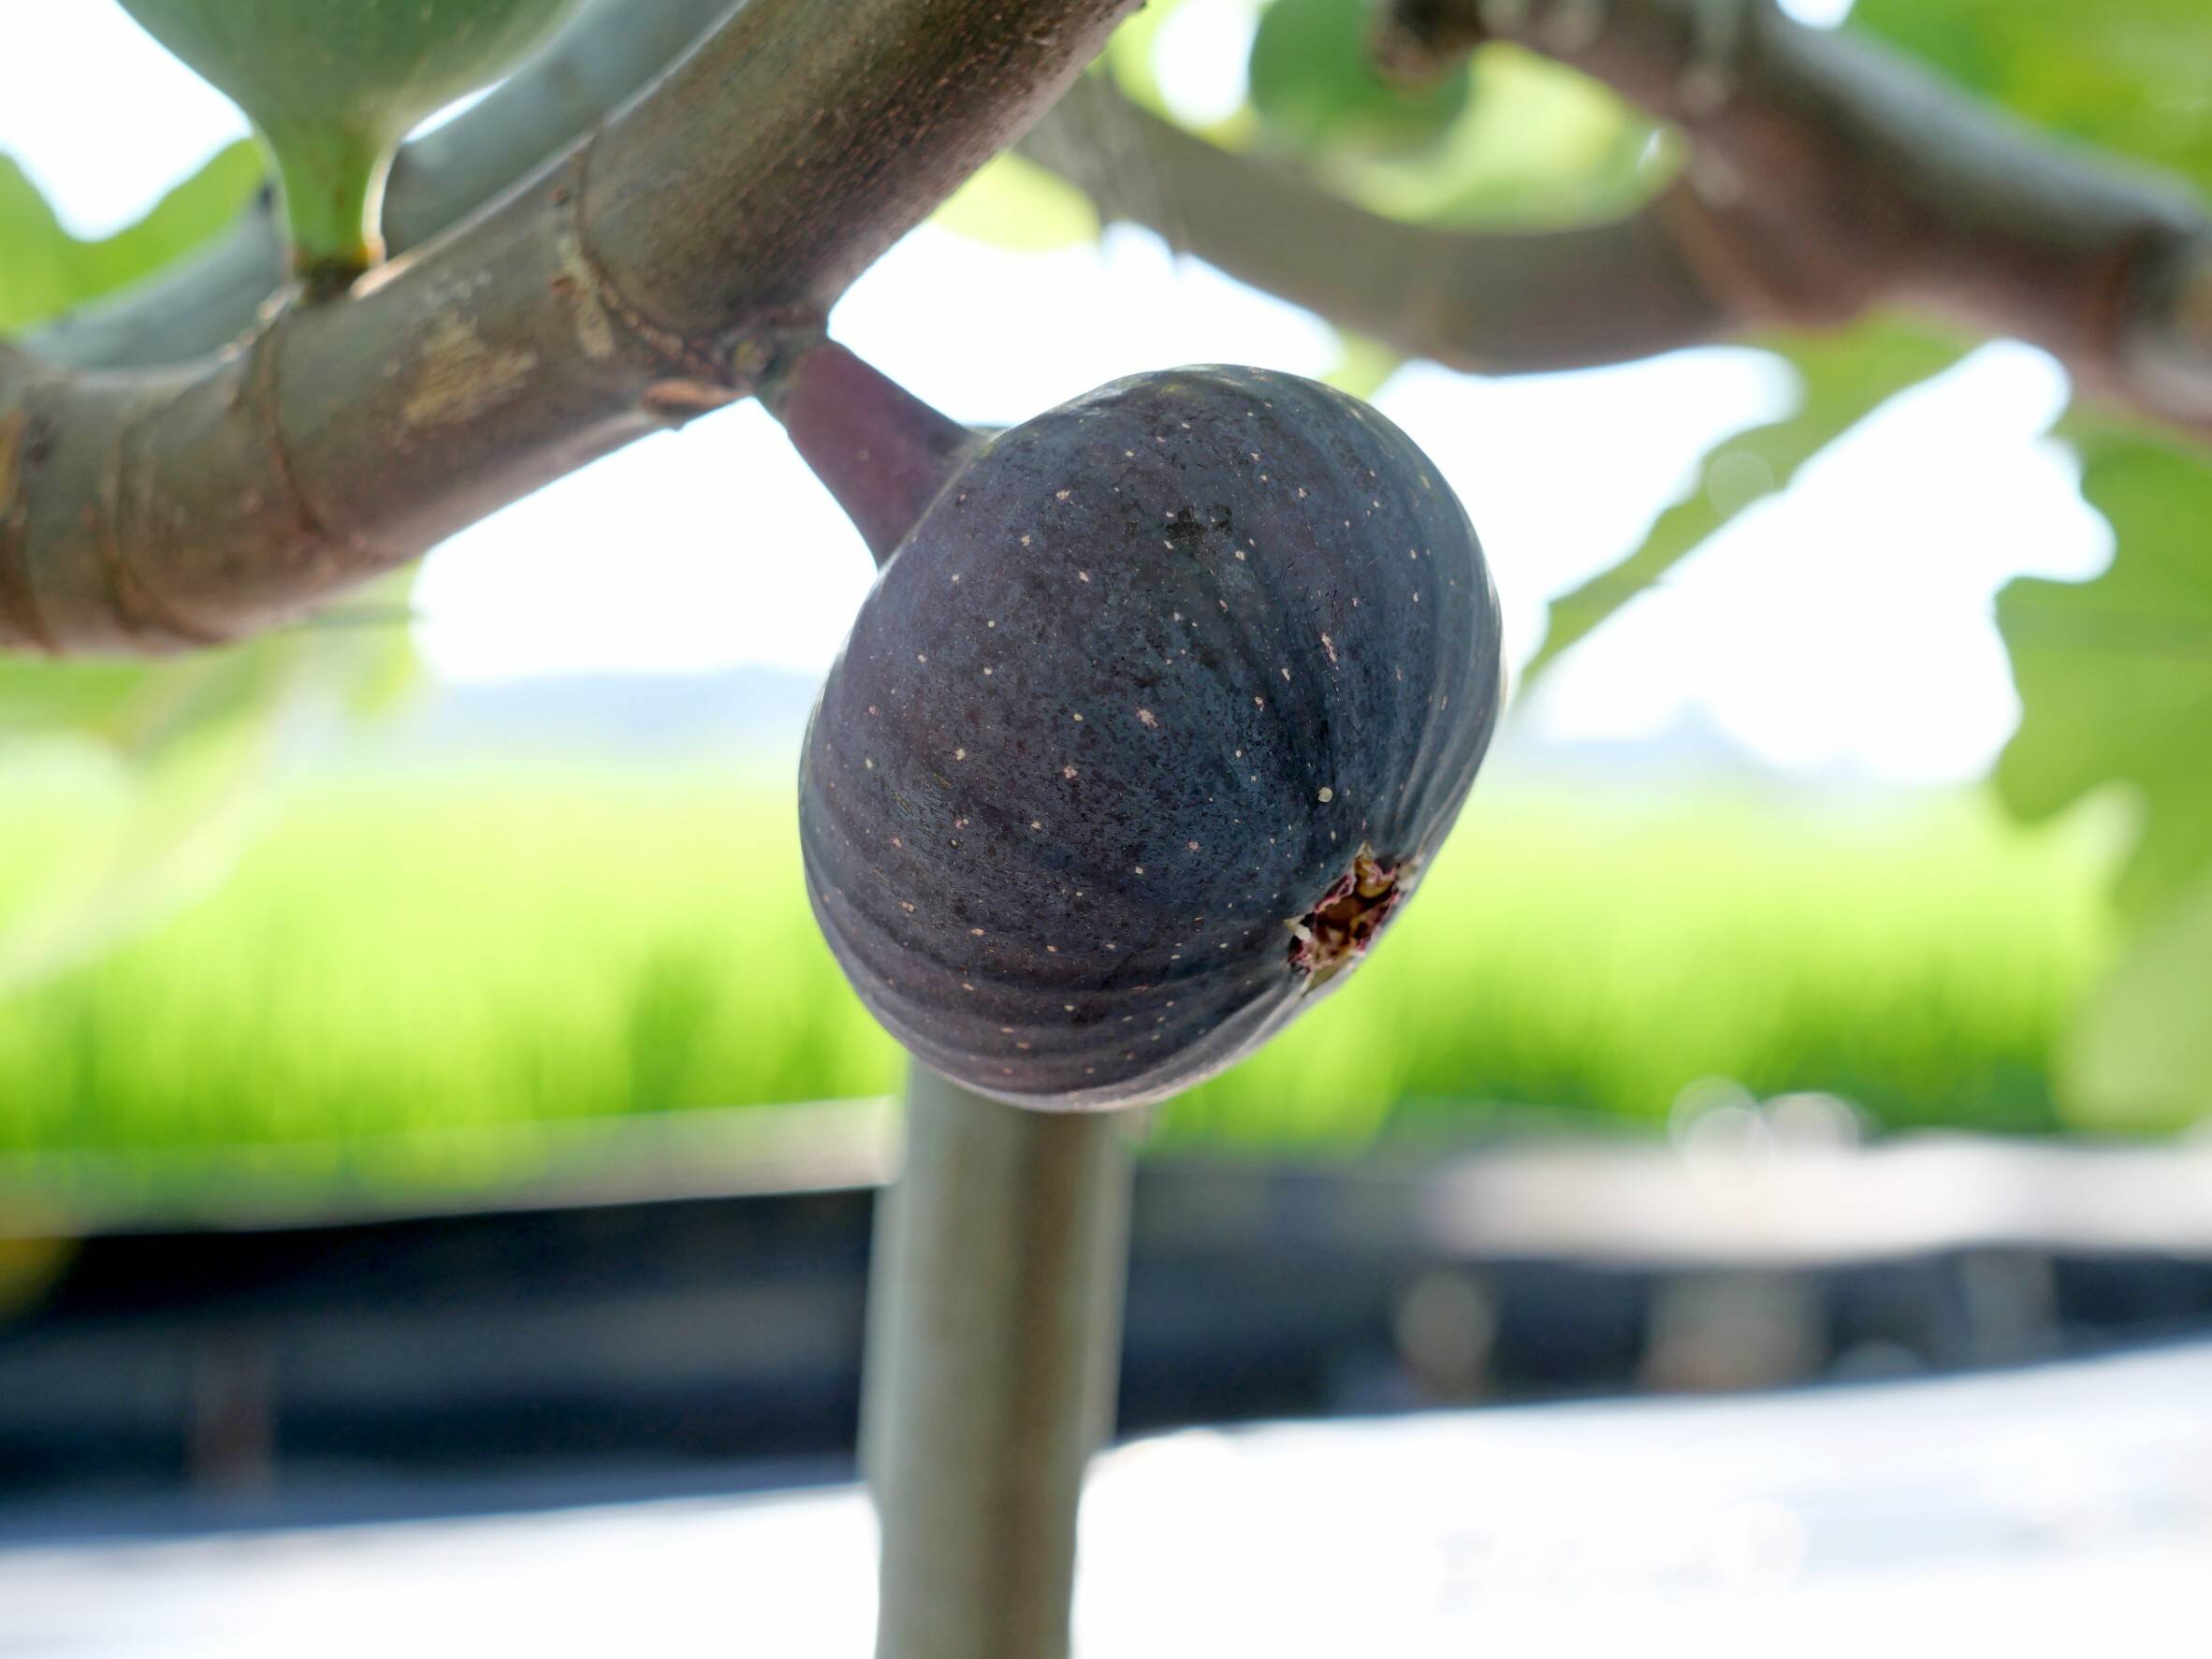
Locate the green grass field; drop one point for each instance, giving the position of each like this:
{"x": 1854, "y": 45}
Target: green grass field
{"x": 435, "y": 947}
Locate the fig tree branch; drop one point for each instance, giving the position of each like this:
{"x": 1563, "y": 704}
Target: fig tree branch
{"x": 647, "y": 275}
{"x": 1492, "y": 302}
{"x": 1686, "y": 268}
{"x": 1830, "y": 174}
{"x": 613, "y": 50}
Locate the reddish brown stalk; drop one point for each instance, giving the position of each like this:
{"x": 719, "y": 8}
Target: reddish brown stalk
{"x": 882, "y": 452}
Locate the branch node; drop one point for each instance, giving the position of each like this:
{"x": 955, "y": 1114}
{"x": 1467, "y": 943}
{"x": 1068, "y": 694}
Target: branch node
{"x": 268, "y": 393}
{"x": 597, "y": 297}
{"x": 143, "y": 613}
{"x": 676, "y": 401}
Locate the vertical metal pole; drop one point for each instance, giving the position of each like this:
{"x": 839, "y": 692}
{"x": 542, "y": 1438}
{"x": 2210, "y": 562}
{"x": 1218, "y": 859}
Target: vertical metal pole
{"x": 993, "y": 1337}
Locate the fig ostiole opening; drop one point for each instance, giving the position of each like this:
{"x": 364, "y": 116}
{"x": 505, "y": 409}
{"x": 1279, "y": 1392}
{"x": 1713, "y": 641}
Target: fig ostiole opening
{"x": 1341, "y": 929}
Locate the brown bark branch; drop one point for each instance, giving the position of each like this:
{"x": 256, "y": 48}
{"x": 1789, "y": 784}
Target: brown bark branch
{"x": 1497, "y": 302}
{"x": 1830, "y": 174}
{"x": 637, "y": 281}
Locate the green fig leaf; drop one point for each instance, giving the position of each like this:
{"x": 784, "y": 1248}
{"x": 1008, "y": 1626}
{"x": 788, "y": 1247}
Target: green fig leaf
{"x": 1315, "y": 84}
{"x": 2138, "y": 1056}
{"x": 1013, "y": 203}
{"x": 2115, "y": 674}
{"x": 46, "y": 271}
{"x": 1843, "y": 380}
{"x": 1362, "y": 366}
{"x": 147, "y": 779}
{"x": 2123, "y": 75}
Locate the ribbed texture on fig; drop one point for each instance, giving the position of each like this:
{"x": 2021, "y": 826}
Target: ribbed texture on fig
{"x": 1145, "y": 731}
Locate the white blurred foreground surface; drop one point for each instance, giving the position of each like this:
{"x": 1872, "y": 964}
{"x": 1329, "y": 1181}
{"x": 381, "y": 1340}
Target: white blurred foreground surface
{"x": 2065, "y": 1510}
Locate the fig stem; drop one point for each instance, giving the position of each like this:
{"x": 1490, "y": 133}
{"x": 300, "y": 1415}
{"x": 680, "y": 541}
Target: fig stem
{"x": 880, "y": 450}
{"x": 333, "y": 188}
{"x": 994, "y": 1342}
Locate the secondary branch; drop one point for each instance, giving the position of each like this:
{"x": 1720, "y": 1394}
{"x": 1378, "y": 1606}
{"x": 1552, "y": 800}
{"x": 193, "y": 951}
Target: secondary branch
{"x": 1830, "y": 174}
{"x": 1493, "y": 302}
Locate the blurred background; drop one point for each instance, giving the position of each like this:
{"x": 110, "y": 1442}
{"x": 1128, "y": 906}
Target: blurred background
{"x": 422, "y": 1087}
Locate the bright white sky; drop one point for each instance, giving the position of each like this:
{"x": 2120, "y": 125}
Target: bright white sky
{"x": 1845, "y": 623}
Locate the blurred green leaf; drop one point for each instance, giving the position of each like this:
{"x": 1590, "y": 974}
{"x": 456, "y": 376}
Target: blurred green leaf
{"x": 1314, "y": 83}
{"x": 1362, "y": 366}
{"x": 182, "y": 748}
{"x": 1013, "y": 203}
{"x": 1128, "y": 54}
{"x": 34, "y": 276}
{"x": 181, "y": 755}
{"x": 1843, "y": 380}
{"x": 2129, "y": 75}
{"x": 45, "y": 270}
{"x": 181, "y": 817}
{"x": 95, "y": 696}
{"x": 2139, "y": 1054}
{"x": 2115, "y": 675}
{"x": 1540, "y": 144}
{"x": 1529, "y": 143}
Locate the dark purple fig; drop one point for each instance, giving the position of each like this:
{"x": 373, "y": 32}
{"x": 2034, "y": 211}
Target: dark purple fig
{"x": 1149, "y": 726}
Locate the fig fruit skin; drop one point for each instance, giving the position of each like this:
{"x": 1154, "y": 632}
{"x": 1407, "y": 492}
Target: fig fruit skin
{"x": 1145, "y": 682}
{"x": 332, "y": 86}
